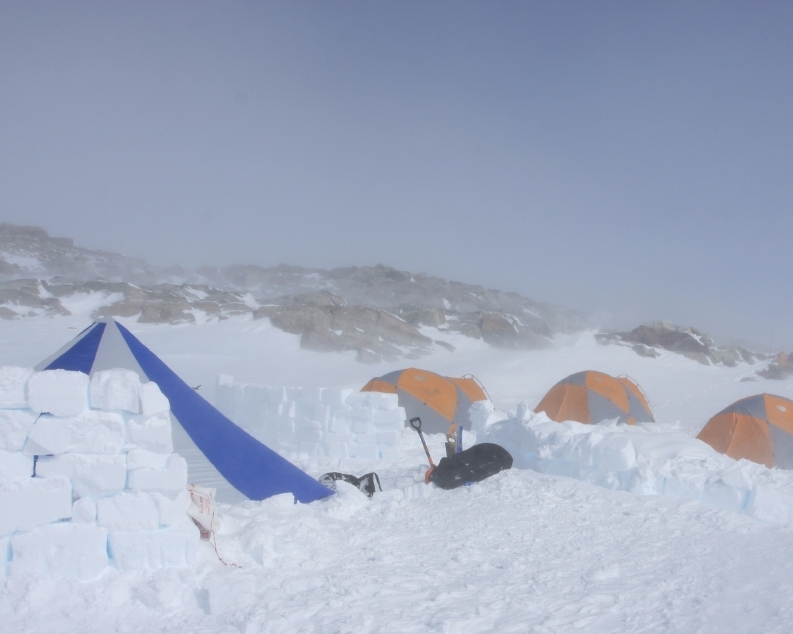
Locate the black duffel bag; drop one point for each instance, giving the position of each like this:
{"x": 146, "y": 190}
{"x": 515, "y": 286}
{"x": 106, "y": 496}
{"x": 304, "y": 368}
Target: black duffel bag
{"x": 472, "y": 465}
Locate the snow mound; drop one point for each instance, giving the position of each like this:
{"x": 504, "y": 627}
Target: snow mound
{"x": 646, "y": 459}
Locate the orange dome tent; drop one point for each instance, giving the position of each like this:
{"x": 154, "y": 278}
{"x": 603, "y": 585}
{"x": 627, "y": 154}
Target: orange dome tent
{"x": 592, "y": 397}
{"x": 758, "y": 428}
{"x": 439, "y": 401}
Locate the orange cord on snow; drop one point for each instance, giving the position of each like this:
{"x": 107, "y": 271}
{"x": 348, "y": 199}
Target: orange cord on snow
{"x": 214, "y": 545}
{"x": 209, "y": 535}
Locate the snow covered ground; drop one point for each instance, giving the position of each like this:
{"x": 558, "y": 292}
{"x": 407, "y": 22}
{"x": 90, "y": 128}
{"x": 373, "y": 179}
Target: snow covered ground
{"x": 521, "y": 552}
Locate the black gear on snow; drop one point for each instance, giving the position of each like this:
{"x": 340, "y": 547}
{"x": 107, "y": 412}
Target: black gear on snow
{"x": 472, "y": 465}
{"x": 366, "y": 483}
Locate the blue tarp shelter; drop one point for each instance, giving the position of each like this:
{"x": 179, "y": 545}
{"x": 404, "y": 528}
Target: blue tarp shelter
{"x": 219, "y": 454}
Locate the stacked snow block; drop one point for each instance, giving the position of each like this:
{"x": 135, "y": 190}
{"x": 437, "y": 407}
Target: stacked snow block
{"x": 88, "y": 477}
{"x": 312, "y": 421}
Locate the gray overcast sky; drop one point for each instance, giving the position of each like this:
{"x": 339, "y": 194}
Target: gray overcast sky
{"x": 630, "y": 159}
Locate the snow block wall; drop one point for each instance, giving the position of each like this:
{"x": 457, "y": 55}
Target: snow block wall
{"x": 647, "y": 459}
{"x": 334, "y": 422}
{"x": 87, "y": 475}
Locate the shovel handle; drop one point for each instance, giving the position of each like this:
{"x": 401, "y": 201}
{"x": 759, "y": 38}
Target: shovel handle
{"x": 423, "y": 442}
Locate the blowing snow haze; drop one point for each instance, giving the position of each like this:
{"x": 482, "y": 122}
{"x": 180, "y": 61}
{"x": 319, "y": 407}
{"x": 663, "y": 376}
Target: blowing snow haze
{"x": 631, "y": 161}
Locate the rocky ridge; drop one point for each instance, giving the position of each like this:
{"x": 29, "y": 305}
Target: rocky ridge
{"x": 376, "y": 311}
{"x": 646, "y": 340}
{"x": 780, "y": 367}
{"x": 30, "y": 252}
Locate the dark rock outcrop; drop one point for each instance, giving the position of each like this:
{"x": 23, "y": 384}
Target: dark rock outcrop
{"x": 647, "y": 340}
{"x": 780, "y": 368}
{"x": 506, "y": 331}
{"x": 328, "y": 326}
{"x": 27, "y": 298}
{"x": 39, "y": 255}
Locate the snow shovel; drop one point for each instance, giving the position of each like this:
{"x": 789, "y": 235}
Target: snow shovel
{"x": 426, "y": 449}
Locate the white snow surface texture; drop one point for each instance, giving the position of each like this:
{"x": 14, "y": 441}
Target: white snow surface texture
{"x": 601, "y": 528}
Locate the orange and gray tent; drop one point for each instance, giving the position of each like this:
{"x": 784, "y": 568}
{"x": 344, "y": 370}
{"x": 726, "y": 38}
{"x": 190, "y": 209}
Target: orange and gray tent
{"x": 439, "y": 401}
{"x": 592, "y": 397}
{"x": 758, "y": 428}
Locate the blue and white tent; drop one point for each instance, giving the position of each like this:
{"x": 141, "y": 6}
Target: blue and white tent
{"x": 219, "y": 454}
